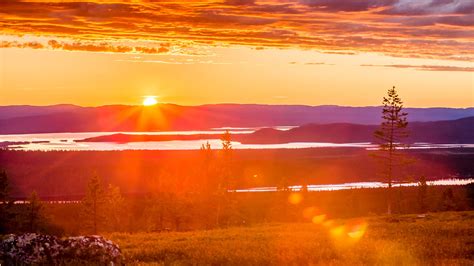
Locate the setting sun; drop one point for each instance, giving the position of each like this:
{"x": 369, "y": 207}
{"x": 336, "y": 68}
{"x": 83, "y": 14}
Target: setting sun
{"x": 149, "y": 100}
{"x": 266, "y": 132}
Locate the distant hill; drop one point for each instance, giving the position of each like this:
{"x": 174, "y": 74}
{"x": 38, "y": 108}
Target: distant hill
{"x": 452, "y": 131}
{"x": 70, "y": 118}
{"x": 15, "y": 111}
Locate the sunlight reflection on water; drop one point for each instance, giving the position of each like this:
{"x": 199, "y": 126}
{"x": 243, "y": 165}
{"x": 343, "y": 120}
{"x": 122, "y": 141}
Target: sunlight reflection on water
{"x": 67, "y": 141}
{"x": 358, "y": 185}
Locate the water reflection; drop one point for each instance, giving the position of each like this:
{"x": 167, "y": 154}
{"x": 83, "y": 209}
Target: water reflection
{"x": 67, "y": 141}
{"x": 356, "y": 185}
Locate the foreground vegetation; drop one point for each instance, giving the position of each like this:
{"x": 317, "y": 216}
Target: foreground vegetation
{"x": 441, "y": 238}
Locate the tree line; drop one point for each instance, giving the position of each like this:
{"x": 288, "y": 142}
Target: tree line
{"x": 212, "y": 203}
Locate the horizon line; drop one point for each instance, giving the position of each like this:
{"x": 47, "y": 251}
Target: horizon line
{"x": 229, "y": 103}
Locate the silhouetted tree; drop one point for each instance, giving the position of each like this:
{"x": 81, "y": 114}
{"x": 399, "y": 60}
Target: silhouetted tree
{"x": 114, "y": 205}
{"x": 390, "y": 135}
{"x": 207, "y": 157}
{"x": 4, "y": 186}
{"x": 448, "y": 202}
{"x": 93, "y": 203}
{"x": 224, "y": 182}
{"x": 34, "y": 215}
{"x": 155, "y": 212}
{"x": 226, "y": 162}
{"x": 422, "y": 190}
{"x": 5, "y": 203}
{"x": 179, "y": 210}
{"x": 470, "y": 194}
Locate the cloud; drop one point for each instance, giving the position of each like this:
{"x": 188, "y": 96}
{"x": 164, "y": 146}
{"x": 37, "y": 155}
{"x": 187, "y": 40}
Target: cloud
{"x": 347, "y": 5}
{"x": 87, "y": 46}
{"x": 424, "y": 7}
{"x": 428, "y": 67}
{"x": 15, "y": 44}
{"x": 239, "y": 2}
{"x": 440, "y": 29}
{"x": 310, "y": 63}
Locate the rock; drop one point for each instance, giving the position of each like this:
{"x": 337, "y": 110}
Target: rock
{"x": 92, "y": 248}
{"x": 30, "y": 249}
{"x": 50, "y": 250}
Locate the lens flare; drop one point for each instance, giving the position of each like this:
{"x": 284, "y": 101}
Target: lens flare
{"x": 319, "y": 219}
{"x": 328, "y": 223}
{"x": 309, "y": 212}
{"x": 357, "y": 230}
{"x": 338, "y": 231}
{"x": 295, "y": 198}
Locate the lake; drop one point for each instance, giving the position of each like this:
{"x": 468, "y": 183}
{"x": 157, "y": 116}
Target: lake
{"x": 67, "y": 142}
{"x": 359, "y": 185}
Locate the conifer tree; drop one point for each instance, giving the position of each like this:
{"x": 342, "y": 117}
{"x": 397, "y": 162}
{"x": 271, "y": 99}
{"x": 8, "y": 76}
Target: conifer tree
{"x": 227, "y": 152}
{"x": 390, "y": 136}
{"x": 92, "y": 204}
{"x": 207, "y": 158}
{"x": 114, "y": 208}
{"x": 5, "y": 203}
{"x": 34, "y": 212}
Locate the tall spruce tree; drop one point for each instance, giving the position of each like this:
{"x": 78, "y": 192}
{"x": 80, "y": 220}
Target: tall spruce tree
{"x": 390, "y": 136}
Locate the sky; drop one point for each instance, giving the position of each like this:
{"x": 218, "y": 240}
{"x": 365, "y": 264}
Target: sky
{"x": 313, "y": 52}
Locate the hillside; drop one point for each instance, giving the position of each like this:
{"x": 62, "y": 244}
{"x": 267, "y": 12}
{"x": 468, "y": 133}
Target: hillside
{"x": 433, "y": 239}
{"x": 451, "y": 131}
{"x": 69, "y": 118}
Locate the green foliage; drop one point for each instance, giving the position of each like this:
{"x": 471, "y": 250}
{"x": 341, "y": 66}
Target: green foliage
{"x": 5, "y": 203}
{"x": 470, "y": 194}
{"x": 4, "y": 186}
{"x": 115, "y": 209}
{"x": 93, "y": 205}
{"x": 422, "y": 191}
{"x": 34, "y": 215}
{"x": 448, "y": 201}
{"x": 226, "y": 141}
{"x": 207, "y": 185}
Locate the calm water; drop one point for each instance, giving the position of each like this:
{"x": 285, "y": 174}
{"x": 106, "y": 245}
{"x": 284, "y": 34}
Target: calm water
{"x": 67, "y": 141}
{"x": 356, "y": 185}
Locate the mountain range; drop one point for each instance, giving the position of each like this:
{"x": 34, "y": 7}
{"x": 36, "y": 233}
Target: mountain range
{"x": 162, "y": 117}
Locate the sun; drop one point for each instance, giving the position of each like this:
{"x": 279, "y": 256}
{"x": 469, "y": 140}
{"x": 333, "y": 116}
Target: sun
{"x": 149, "y": 100}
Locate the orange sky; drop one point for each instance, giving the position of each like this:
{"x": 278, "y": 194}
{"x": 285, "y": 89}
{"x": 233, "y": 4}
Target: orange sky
{"x": 194, "y": 52}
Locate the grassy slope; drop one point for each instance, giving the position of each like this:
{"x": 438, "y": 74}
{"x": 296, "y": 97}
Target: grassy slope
{"x": 441, "y": 238}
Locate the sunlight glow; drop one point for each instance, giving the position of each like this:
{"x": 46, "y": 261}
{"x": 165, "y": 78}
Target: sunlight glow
{"x": 338, "y": 231}
{"x": 295, "y": 198}
{"x": 319, "y": 219}
{"x": 150, "y": 100}
{"x": 357, "y": 229}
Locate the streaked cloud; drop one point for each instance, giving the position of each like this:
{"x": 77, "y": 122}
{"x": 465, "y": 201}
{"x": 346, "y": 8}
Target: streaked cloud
{"x": 310, "y": 63}
{"x": 428, "y": 67}
{"x": 87, "y": 46}
{"x": 439, "y": 29}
